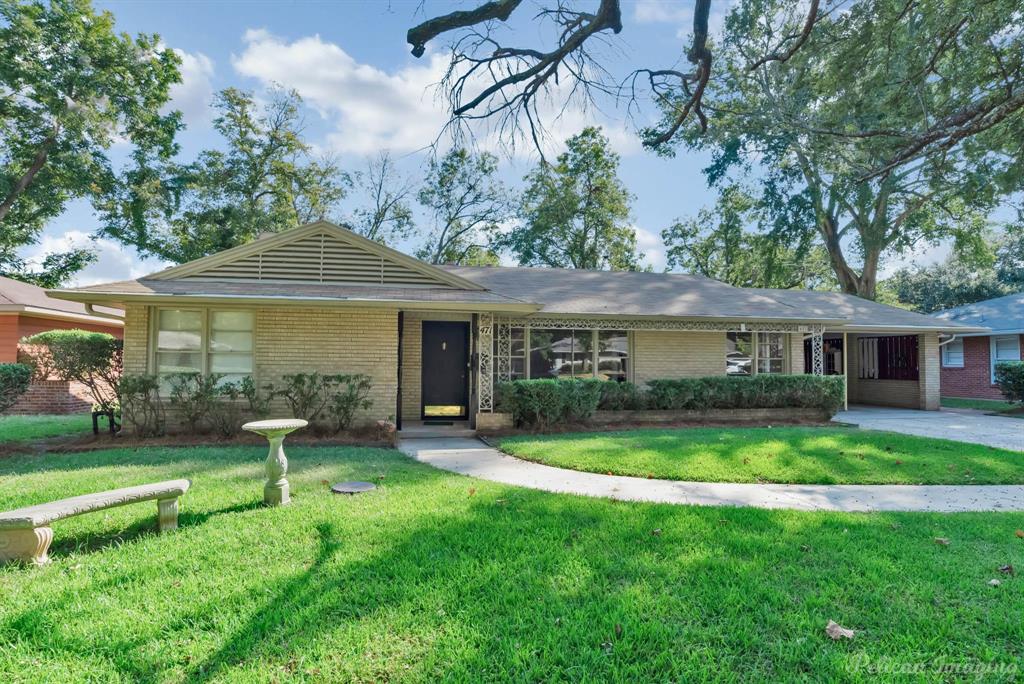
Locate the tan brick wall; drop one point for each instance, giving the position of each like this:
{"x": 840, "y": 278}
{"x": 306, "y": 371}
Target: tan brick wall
{"x": 928, "y": 371}
{"x": 795, "y": 360}
{"x": 412, "y": 354}
{"x": 677, "y": 354}
{"x": 136, "y": 337}
{"x": 293, "y": 339}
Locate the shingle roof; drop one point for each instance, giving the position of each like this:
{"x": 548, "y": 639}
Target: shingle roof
{"x": 14, "y": 293}
{"x": 629, "y": 293}
{"x": 858, "y": 312}
{"x": 1002, "y": 314}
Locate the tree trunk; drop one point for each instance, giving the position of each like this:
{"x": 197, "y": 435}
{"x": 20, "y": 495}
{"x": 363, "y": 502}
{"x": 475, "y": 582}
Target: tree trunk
{"x": 26, "y": 179}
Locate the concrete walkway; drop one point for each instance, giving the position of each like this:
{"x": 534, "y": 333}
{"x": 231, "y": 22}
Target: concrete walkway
{"x": 996, "y": 431}
{"x": 474, "y": 458}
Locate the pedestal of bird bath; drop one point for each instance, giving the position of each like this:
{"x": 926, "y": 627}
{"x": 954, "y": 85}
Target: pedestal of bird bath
{"x": 275, "y": 491}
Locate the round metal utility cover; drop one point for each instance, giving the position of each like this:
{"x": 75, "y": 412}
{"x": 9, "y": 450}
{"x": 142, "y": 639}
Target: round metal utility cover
{"x": 352, "y": 487}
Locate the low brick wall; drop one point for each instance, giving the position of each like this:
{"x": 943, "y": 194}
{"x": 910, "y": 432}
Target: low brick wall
{"x": 53, "y": 397}
{"x": 761, "y": 415}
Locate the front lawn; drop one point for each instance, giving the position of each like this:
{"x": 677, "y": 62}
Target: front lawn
{"x": 800, "y": 455}
{"x": 992, "y": 405}
{"x": 27, "y": 428}
{"x": 435, "y": 576}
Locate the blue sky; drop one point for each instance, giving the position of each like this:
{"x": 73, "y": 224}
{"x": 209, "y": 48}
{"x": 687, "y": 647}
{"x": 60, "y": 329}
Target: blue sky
{"x": 365, "y": 92}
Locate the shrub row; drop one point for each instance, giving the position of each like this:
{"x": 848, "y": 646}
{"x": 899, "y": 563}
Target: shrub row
{"x": 539, "y": 403}
{"x": 14, "y": 380}
{"x": 1010, "y": 380}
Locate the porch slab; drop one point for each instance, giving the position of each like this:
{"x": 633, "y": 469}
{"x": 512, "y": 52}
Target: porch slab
{"x": 476, "y": 459}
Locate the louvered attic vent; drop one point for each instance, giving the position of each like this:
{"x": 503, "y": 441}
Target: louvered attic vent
{"x": 319, "y": 259}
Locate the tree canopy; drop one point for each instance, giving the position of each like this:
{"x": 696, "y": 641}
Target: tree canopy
{"x": 575, "y": 213}
{"x": 70, "y": 85}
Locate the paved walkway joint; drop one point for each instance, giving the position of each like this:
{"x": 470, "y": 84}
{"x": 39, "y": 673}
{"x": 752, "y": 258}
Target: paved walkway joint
{"x": 472, "y": 457}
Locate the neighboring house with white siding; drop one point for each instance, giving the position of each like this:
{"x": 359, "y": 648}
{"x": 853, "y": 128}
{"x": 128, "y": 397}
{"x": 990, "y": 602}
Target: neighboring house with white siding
{"x": 969, "y": 360}
{"x": 435, "y": 339}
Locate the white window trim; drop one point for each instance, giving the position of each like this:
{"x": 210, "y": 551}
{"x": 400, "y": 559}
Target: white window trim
{"x": 992, "y": 353}
{"x": 595, "y": 351}
{"x": 945, "y": 350}
{"x": 205, "y": 311}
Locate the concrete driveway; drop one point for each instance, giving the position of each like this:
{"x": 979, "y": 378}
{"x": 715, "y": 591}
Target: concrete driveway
{"x": 996, "y": 431}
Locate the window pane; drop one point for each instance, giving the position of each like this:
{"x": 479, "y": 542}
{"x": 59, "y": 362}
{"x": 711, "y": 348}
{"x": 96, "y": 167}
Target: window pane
{"x": 583, "y": 354}
{"x": 550, "y": 353}
{"x": 179, "y": 330}
{"x": 231, "y": 320}
{"x": 769, "y": 352}
{"x": 178, "y": 362}
{"x": 738, "y": 353}
{"x": 230, "y": 363}
{"x": 1007, "y": 349}
{"x": 230, "y": 341}
{"x": 171, "y": 319}
{"x": 612, "y": 355}
{"x": 518, "y": 336}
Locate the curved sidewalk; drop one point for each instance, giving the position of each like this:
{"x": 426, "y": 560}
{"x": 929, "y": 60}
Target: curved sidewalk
{"x": 474, "y": 458}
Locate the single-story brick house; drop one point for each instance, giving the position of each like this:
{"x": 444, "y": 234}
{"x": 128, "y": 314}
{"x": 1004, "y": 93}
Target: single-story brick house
{"x": 969, "y": 359}
{"x": 434, "y": 339}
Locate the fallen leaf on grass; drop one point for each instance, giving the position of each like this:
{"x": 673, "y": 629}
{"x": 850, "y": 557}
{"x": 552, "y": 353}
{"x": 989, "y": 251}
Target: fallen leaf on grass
{"x": 994, "y": 583}
{"x": 324, "y": 482}
{"x": 1007, "y": 569}
{"x": 837, "y": 632}
{"x": 805, "y": 548}
{"x": 472, "y": 491}
{"x": 942, "y": 541}
{"x": 1020, "y": 533}
{"x": 656, "y": 532}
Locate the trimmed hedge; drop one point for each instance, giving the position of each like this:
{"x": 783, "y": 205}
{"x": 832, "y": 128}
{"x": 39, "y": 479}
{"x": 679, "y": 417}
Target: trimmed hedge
{"x": 14, "y": 381}
{"x": 539, "y": 403}
{"x": 1010, "y": 380}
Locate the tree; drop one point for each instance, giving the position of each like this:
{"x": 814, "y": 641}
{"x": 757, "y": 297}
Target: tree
{"x": 265, "y": 180}
{"x": 833, "y": 123}
{"x": 467, "y": 203}
{"x": 963, "y": 278}
{"x": 718, "y": 244}
{"x": 575, "y": 213}
{"x": 386, "y": 215}
{"x": 69, "y": 87}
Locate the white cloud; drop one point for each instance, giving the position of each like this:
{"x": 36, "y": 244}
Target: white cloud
{"x": 115, "y": 261}
{"x": 195, "y": 92}
{"x": 653, "y": 248}
{"x": 373, "y": 109}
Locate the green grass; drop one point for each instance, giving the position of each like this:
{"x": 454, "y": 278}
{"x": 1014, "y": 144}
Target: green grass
{"x": 438, "y": 577}
{"x": 27, "y": 428}
{"x": 992, "y": 405}
{"x": 800, "y": 455}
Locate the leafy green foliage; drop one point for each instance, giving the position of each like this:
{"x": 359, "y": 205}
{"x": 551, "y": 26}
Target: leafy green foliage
{"x": 225, "y": 409}
{"x": 621, "y": 396}
{"x": 259, "y": 401}
{"x": 963, "y": 279}
{"x": 71, "y": 86}
{"x": 575, "y": 213}
{"x": 1010, "y": 380}
{"x": 385, "y": 215}
{"x": 307, "y": 394}
{"x": 14, "y": 381}
{"x": 541, "y": 403}
{"x": 839, "y": 125}
{"x": 141, "y": 406}
{"x": 467, "y": 203}
{"x": 351, "y": 396}
{"x": 784, "y": 454}
{"x": 91, "y": 358}
{"x": 192, "y": 396}
{"x": 265, "y": 179}
{"x": 758, "y": 391}
{"x": 718, "y": 244}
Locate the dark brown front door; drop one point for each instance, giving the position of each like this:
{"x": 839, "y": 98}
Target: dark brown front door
{"x": 445, "y": 357}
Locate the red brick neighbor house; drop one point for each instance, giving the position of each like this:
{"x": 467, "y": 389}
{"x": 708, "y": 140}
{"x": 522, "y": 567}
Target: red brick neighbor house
{"x": 969, "y": 360}
{"x": 434, "y": 340}
{"x": 26, "y": 310}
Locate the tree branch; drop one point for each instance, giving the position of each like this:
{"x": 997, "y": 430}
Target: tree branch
{"x": 419, "y": 36}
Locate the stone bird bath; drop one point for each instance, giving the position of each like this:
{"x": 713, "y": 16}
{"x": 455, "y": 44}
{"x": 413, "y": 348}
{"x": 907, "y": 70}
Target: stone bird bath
{"x": 275, "y": 491}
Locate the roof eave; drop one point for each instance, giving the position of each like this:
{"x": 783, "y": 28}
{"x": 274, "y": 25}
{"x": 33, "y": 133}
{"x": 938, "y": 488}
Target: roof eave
{"x": 952, "y": 330}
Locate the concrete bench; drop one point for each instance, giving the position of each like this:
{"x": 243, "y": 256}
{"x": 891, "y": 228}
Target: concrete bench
{"x": 25, "y": 533}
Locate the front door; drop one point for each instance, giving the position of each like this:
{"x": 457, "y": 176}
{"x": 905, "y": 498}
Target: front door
{"x": 445, "y": 357}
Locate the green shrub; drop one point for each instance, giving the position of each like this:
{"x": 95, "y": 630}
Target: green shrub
{"x": 351, "y": 397}
{"x": 621, "y": 396}
{"x": 540, "y": 403}
{"x": 259, "y": 403}
{"x": 139, "y": 396}
{"x": 225, "y": 409}
{"x": 14, "y": 381}
{"x": 308, "y": 394}
{"x": 192, "y": 395}
{"x": 1010, "y": 380}
{"x": 91, "y": 358}
{"x": 758, "y": 391}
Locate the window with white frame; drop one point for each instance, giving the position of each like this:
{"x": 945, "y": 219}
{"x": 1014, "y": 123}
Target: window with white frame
{"x": 770, "y": 352}
{"x": 555, "y": 353}
{"x": 204, "y": 341}
{"x": 739, "y": 353}
{"x": 1003, "y": 348}
{"x": 748, "y": 353}
{"x": 953, "y": 353}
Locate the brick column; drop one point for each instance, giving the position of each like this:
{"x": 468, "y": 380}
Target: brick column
{"x": 928, "y": 371}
